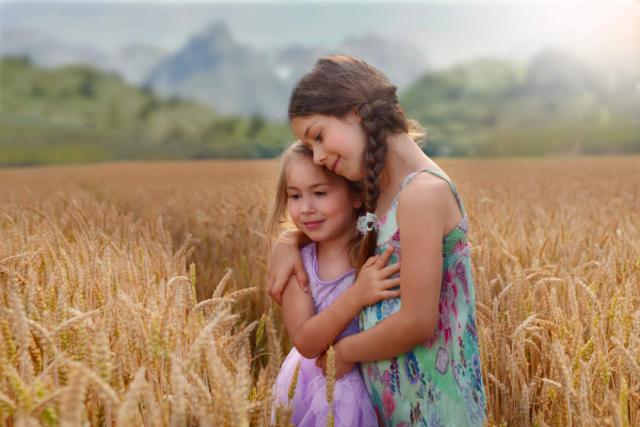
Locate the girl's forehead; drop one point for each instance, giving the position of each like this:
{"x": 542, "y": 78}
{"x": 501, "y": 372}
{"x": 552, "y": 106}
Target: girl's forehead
{"x": 302, "y": 170}
{"x": 302, "y": 167}
{"x": 300, "y": 125}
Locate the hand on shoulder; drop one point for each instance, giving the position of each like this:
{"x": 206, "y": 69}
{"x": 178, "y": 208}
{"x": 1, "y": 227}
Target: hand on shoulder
{"x": 285, "y": 261}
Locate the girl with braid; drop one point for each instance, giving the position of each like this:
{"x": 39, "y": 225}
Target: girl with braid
{"x": 418, "y": 353}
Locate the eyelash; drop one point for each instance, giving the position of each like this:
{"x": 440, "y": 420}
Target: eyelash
{"x": 316, "y": 193}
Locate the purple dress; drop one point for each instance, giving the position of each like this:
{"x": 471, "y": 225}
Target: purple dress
{"x": 351, "y": 403}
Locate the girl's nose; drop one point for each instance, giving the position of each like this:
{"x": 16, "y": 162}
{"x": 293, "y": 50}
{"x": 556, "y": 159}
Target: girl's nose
{"x": 319, "y": 156}
{"x": 307, "y": 206}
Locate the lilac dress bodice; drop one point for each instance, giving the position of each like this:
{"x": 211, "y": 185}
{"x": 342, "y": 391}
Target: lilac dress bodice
{"x": 351, "y": 404}
{"x": 324, "y": 293}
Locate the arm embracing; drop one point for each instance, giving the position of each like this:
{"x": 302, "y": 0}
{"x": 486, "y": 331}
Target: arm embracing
{"x": 313, "y": 334}
{"x": 285, "y": 261}
{"x": 422, "y": 213}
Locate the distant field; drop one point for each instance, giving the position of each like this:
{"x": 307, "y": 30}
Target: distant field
{"x": 133, "y": 294}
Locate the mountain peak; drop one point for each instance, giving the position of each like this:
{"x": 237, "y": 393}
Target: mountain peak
{"x": 217, "y": 33}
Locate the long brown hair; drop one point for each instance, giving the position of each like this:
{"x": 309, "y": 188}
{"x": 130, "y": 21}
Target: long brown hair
{"x": 279, "y": 210}
{"x": 340, "y": 84}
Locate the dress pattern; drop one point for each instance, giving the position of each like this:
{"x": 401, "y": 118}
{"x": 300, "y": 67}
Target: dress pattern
{"x": 439, "y": 382}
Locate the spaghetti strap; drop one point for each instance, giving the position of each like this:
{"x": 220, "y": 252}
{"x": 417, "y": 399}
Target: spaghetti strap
{"x": 447, "y": 367}
{"x": 412, "y": 175}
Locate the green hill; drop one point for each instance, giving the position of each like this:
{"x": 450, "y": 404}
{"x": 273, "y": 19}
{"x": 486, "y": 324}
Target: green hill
{"x": 553, "y": 105}
{"x": 78, "y": 114}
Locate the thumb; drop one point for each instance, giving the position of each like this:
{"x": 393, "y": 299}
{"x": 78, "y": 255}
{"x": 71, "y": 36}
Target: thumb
{"x": 301, "y": 275}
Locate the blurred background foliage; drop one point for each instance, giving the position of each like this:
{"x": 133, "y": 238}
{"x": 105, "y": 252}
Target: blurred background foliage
{"x": 214, "y": 96}
{"x": 77, "y": 114}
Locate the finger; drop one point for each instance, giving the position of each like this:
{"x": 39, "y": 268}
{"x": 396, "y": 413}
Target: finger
{"x": 371, "y": 260}
{"x": 391, "y": 294}
{"x": 301, "y": 275}
{"x": 277, "y": 298}
{"x": 390, "y": 283}
{"x": 270, "y": 289}
{"x": 384, "y": 257}
{"x": 390, "y": 270}
{"x": 278, "y": 288}
{"x": 301, "y": 283}
{"x": 276, "y": 295}
{"x": 269, "y": 284}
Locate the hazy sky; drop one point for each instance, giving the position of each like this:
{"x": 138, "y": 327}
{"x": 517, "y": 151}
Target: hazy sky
{"x": 623, "y": 2}
{"x": 447, "y": 30}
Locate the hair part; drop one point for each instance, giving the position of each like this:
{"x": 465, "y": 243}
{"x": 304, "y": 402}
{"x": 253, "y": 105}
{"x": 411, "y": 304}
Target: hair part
{"x": 340, "y": 84}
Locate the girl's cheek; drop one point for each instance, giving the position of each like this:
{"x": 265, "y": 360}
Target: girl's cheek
{"x": 342, "y": 207}
{"x": 292, "y": 210}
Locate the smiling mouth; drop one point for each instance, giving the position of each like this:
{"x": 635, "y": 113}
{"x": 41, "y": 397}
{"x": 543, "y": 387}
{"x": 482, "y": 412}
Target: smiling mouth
{"x": 313, "y": 224}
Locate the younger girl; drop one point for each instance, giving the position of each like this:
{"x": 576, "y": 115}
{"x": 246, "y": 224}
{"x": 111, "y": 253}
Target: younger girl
{"x": 419, "y": 354}
{"x": 324, "y": 207}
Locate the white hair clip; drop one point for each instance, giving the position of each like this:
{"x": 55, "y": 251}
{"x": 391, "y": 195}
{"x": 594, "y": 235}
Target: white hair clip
{"x": 367, "y": 223}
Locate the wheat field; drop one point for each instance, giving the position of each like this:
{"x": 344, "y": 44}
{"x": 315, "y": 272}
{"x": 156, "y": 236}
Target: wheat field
{"x": 133, "y": 294}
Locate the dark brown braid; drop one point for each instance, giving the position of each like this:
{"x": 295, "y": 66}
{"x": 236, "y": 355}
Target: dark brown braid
{"x": 338, "y": 85}
{"x": 374, "y": 158}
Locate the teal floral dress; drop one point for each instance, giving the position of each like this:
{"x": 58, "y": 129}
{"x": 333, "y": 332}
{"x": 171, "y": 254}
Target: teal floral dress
{"x": 439, "y": 382}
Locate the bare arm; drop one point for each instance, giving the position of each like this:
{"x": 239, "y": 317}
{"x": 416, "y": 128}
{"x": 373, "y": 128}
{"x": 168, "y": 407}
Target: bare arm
{"x": 284, "y": 262}
{"x": 422, "y": 211}
{"x": 313, "y": 334}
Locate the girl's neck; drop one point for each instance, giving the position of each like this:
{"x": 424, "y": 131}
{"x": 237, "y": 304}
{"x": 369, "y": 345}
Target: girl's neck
{"x": 403, "y": 157}
{"x": 334, "y": 253}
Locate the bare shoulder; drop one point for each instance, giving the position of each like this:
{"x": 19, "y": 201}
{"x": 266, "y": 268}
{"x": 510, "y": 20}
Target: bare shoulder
{"x": 427, "y": 197}
{"x": 426, "y": 191}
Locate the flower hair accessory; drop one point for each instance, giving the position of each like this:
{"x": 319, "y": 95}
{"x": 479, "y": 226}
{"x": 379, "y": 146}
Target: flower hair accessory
{"x": 366, "y": 223}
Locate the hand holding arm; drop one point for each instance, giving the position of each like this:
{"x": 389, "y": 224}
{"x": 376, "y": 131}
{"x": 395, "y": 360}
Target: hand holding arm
{"x": 312, "y": 335}
{"x": 375, "y": 279}
{"x": 421, "y": 234}
{"x": 285, "y": 261}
